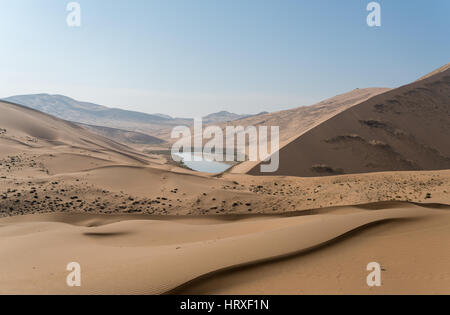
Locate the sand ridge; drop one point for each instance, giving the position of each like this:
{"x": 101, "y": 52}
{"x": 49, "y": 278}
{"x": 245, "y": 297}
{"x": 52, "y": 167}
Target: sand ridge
{"x": 138, "y": 224}
{"x": 402, "y": 129}
{"x": 155, "y": 257}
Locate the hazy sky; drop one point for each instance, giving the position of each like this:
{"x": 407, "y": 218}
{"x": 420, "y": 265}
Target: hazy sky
{"x": 194, "y": 57}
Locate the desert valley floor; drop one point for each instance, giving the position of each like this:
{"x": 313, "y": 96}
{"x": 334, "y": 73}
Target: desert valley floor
{"x": 139, "y": 225}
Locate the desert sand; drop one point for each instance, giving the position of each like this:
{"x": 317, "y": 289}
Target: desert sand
{"x": 402, "y": 129}
{"x": 320, "y": 253}
{"x": 138, "y": 224}
{"x": 297, "y": 121}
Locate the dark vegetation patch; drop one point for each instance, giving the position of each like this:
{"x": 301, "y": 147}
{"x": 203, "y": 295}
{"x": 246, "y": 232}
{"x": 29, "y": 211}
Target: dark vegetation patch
{"x": 326, "y": 169}
{"x": 422, "y": 89}
{"x": 372, "y": 123}
{"x": 352, "y": 137}
{"x": 393, "y": 102}
{"x": 379, "y": 108}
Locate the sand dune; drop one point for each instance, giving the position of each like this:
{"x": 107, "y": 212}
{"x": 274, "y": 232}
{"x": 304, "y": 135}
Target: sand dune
{"x": 91, "y": 174}
{"x": 438, "y": 70}
{"x": 295, "y": 122}
{"x": 22, "y": 123}
{"x": 123, "y": 136}
{"x": 154, "y": 257}
{"x": 403, "y": 129}
{"x": 97, "y": 115}
{"x": 138, "y": 224}
{"x": 30, "y": 130}
{"x": 413, "y": 255}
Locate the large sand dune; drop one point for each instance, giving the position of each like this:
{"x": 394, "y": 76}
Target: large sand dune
{"x": 137, "y": 224}
{"x": 294, "y": 122}
{"x": 28, "y": 125}
{"x": 403, "y": 129}
{"x": 154, "y": 257}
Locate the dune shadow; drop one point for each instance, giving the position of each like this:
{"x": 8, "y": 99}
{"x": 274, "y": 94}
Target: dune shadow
{"x": 105, "y": 234}
{"x": 180, "y": 290}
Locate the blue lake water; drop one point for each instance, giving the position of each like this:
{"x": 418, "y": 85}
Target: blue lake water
{"x": 204, "y": 165}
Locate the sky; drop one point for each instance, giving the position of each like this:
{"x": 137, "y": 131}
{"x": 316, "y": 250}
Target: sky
{"x": 188, "y": 58}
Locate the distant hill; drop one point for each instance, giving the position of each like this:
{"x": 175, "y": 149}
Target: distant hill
{"x": 123, "y": 136}
{"x": 69, "y": 109}
{"x": 23, "y": 127}
{"x": 222, "y": 116}
{"x": 164, "y": 116}
{"x": 293, "y": 122}
{"x": 157, "y": 125}
{"x": 403, "y": 129}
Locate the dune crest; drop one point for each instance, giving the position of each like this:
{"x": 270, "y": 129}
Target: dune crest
{"x": 138, "y": 224}
{"x": 402, "y": 129}
{"x": 155, "y": 257}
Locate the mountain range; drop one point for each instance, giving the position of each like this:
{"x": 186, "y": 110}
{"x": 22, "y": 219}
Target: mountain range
{"x": 364, "y": 130}
{"x": 120, "y": 120}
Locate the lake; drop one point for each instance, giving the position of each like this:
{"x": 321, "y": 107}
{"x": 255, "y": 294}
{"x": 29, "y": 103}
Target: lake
{"x": 204, "y": 165}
